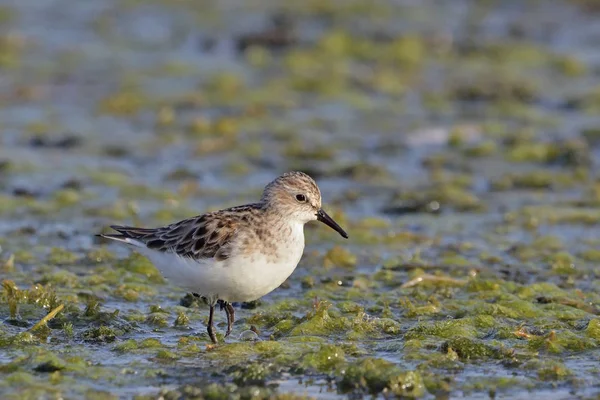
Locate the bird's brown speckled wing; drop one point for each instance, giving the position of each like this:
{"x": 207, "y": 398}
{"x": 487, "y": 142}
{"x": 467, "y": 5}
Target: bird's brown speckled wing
{"x": 204, "y": 236}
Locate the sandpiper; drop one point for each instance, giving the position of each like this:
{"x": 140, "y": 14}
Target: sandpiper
{"x": 238, "y": 254}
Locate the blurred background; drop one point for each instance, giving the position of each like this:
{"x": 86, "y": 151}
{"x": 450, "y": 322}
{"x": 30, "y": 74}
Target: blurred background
{"x": 456, "y": 141}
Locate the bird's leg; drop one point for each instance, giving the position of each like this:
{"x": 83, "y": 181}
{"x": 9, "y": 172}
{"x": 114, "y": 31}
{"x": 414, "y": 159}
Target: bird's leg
{"x": 230, "y": 311}
{"x": 210, "y": 328}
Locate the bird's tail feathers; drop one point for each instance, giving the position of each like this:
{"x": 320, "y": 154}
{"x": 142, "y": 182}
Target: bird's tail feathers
{"x": 123, "y": 239}
{"x": 125, "y": 235}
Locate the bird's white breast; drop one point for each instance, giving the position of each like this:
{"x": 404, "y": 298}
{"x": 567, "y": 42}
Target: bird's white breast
{"x": 245, "y": 276}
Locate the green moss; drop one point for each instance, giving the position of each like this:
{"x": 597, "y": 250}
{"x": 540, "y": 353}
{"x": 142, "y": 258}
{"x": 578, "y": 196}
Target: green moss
{"x": 372, "y": 223}
{"x": 157, "y": 319}
{"x": 562, "y": 263}
{"x": 23, "y": 338}
{"x": 550, "y": 370}
{"x": 494, "y": 85}
{"x": 547, "y": 243}
{"x": 67, "y": 197}
{"x": 409, "y": 384}
{"x": 109, "y": 178}
{"x": 166, "y": 355}
{"x": 593, "y": 329}
{"x": 100, "y": 255}
{"x": 127, "y": 346}
{"x": 569, "y": 153}
{"x": 591, "y": 255}
{"x": 464, "y": 327}
{"x": 449, "y": 195}
{"x": 561, "y": 341}
{"x": 243, "y": 350}
{"x": 101, "y": 334}
{"x": 127, "y": 292}
{"x": 373, "y": 376}
{"x": 297, "y": 149}
{"x": 545, "y": 289}
{"x": 124, "y": 103}
{"x": 569, "y": 66}
{"x": 61, "y": 278}
{"x": 24, "y": 256}
{"x": 150, "y": 343}
{"x": 483, "y": 149}
{"x": 181, "y": 320}
{"x": 9, "y": 204}
{"x": 528, "y": 180}
{"x": 308, "y": 282}
{"x": 472, "y": 349}
{"x": 412, "y": 311}
{"x": 50, "y": 363}
{"x": 480, "y": 285}
{"x": 517, "y": 308}
{"x": 321, "y": 322}
{"x": 68, "y": 329}
{"x": 325, "y": 359}
{"x": 20, "y": 378}
{"x": 269, "y": 318}
{"x": 139, "y": 264}
{"x": 251, "y": 374}
{"x": 339, "y": 256}
{"x": 283, "y": 327}
{"x": 60, "y": 256}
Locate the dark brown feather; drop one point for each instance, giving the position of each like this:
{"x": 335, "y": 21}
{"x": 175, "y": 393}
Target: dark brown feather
{"x": 201, "y": 237}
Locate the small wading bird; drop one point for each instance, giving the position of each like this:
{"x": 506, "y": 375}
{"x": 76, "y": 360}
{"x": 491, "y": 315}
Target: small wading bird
{"x": 238, "y": 254}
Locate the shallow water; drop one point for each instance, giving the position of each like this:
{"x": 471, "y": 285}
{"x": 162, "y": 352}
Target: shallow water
{"x": 457, "y": 142}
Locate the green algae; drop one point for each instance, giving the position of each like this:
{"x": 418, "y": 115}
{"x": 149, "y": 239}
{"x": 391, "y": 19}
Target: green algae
{"x": 323, "y": 321}
{"x": 593, "y": 329}
{"x": 326, "y": 359}
{"x": 166, "y": 355}
{"x": 570, "y": 153}
{"x": 157, "y": 319}
{"x": 101, "y": 334}
{"x": 374, "y": 376}
{"x": 252, "y": 374}
{"x": 340, "y": 257}
{"x": 61, "y": 257}
{"x": 182, "y": 320}
{"x": 464, "y": 327}
{"x": 150, "y": 343}
{"x": 550, "y": 371}
{"x": 561, "y": 341}
{"x": 126, "y": 102}
{"x": 126, "y": 346}
{"x": 139, "y": 264}
{"x": 473, "y": 349}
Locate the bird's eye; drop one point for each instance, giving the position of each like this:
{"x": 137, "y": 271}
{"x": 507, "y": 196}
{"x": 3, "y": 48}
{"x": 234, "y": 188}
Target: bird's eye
{"x": 301, "y": 198}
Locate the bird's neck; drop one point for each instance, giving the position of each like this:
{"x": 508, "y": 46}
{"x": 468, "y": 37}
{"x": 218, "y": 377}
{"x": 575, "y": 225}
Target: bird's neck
{"x": 279, "y": 225}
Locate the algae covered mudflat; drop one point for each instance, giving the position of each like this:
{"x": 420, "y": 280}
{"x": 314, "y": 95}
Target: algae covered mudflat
{"x": 457, "y": 142}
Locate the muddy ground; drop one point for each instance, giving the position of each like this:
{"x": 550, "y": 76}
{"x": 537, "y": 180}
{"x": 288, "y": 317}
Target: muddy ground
{"x": 457, "y": 142}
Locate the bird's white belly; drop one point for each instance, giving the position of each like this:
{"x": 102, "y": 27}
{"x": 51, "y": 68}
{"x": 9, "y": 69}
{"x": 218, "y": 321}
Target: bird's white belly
{"x": 250, "y": 279}
{"x": 236, "y": 279}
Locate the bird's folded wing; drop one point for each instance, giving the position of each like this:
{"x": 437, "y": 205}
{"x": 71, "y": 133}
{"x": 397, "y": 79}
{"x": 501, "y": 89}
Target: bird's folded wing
{"x": 201, "y": 237}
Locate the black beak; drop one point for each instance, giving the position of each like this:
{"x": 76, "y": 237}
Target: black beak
{"x": 327, "y": 220}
